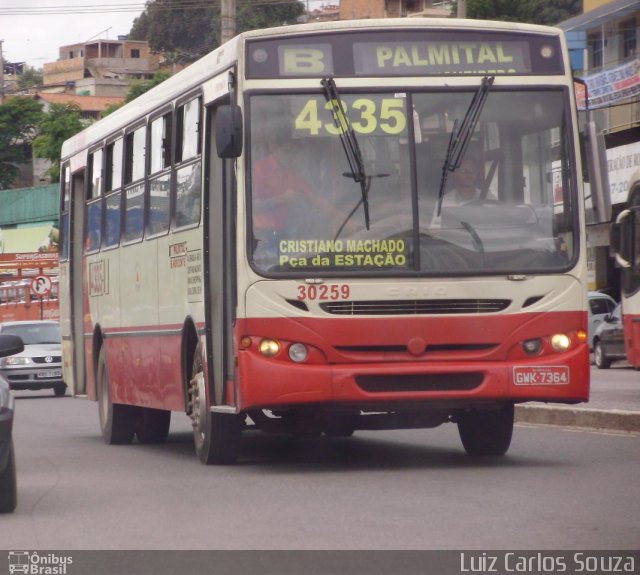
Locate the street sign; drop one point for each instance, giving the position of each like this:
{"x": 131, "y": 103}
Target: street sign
{"x": 41, "y": 285}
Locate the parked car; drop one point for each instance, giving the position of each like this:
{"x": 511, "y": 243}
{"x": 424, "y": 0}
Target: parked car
{"x": 600, "y": 305}
{"x": 39, "y": 366}
{"x": 9, "y": 344}
{"x": 608, "y": 340}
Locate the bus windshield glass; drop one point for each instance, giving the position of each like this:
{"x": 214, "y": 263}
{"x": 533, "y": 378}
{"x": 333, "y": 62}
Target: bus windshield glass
{"x": 507, "y": 205}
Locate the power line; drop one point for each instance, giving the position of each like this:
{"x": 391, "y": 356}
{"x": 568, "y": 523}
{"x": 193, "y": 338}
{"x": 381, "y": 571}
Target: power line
{"x": 126, "y": 7}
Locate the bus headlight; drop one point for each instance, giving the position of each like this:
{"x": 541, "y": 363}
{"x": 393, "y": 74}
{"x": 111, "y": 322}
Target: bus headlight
{"x": 560, "y": 342}
{"x": 298, "y": 352}
{"x": 269, "y": 347}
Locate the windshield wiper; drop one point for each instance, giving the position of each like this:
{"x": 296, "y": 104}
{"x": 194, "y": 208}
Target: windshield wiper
{"x": 349, "y": 143}
{"x": 461, "y": 135}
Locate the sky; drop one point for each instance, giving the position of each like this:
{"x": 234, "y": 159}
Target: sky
{"x": 32, "y": 31}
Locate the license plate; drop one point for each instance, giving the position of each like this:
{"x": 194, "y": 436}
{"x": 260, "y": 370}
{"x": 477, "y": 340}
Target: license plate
{"x": 49, "y": 373}
{"x": 541, "y": 375}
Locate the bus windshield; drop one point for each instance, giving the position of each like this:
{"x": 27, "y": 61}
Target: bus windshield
{"x": 506, "y": 206}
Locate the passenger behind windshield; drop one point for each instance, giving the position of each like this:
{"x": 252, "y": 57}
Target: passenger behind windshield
{"x": 287, "y": 201}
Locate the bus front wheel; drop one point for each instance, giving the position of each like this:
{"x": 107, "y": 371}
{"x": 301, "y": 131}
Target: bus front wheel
{"x": 117, "y": 421}
{"x": 486, "y": 432}
{"x": 216, "y": 436}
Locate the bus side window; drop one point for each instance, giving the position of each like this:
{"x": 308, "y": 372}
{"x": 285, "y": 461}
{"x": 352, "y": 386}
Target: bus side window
{"x": 159, "y": 206}
{"x": 93, "y": 220}
{"x": 113, "y": 194}
{"x": 111, "y": 236}
{"x": 188, "y": 175}
{"x": 134, "y": 194}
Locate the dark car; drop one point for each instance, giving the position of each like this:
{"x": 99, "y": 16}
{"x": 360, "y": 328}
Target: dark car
{"x": 39, "y": 366}
{"x": 9, "y": 345}
{"x": 608, "y": 340}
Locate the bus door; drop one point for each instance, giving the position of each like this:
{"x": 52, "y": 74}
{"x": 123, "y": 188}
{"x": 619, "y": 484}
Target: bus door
{"x": 220, "y": 275}
{"x": 71, "y": 278}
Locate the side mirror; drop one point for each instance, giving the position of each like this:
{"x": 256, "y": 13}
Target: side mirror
{"x": 621, "y": 240}
{"x": 10, "y": 345}
{"x": 228, "y": 131}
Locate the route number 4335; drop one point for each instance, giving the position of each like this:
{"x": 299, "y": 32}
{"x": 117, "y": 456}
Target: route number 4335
{"x": 385, "y": 116}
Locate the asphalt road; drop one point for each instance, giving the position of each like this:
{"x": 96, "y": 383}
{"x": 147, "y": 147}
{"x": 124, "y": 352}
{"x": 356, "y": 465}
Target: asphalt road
{"x": 556, "y": 489}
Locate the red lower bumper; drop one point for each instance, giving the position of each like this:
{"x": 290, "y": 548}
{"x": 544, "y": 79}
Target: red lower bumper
{"x": 265, "y": 383}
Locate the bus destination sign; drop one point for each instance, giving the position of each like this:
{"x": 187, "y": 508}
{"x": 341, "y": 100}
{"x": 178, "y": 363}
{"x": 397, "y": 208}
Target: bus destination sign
{"x": 443, "y": 57}
{"x": 404, "y": 53}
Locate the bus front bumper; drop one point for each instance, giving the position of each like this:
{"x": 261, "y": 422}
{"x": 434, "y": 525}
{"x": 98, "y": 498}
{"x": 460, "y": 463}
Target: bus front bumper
{"x": 267, "y": 383}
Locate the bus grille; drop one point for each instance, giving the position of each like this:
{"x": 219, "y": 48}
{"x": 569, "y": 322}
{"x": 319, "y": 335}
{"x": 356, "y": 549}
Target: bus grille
{"x": 415, "y": 306}
{"x": 420, "y": 382}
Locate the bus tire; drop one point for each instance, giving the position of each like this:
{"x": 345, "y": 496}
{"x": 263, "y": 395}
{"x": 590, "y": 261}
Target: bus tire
{"x": 216, "y": 436}
{"x": 487, "y": 432}
{"x": 152, "y": 425}
{"x": 8, "y": 486}
{"x": 117, "y": 421}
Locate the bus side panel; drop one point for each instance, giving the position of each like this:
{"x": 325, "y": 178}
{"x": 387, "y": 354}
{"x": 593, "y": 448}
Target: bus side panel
{"x": 133, "y": 363}
{"x": 180, "y": 296}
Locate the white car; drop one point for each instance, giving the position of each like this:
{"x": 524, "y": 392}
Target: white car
{"x": 39, "y": 366}
{"x": 600, "y": 306}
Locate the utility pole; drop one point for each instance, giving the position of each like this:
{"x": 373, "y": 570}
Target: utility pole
{"x": 227, "y": 20}
{"x": 462, "y": 9}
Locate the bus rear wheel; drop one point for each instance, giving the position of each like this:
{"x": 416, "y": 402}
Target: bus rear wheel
{"x": 117, "y": 421}
{"x": 486, "y": 432}
{"x": 216, "y": 436}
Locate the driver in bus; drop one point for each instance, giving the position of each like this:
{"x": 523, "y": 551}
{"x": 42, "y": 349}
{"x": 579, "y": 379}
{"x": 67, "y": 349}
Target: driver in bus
{"x": 463, "y": 187}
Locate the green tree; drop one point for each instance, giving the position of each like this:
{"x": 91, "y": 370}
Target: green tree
{"x": 168, "y": 27}
{"x": 19, "y": 118}
{"x": 30, "y": 78}
{"x": 190, "y": 33}
{"x": 549, "y": 12}
{"x": 136, "y": 88}
{"x": 60, "y": 123}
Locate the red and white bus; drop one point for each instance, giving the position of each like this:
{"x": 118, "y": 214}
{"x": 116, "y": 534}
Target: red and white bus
{"x": 625, "y": 241}
{"x": 268, "y": 239}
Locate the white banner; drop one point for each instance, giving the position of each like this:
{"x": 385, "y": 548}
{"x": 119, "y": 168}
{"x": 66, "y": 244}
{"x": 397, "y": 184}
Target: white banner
{"x": 621, "y": 163}
{"x": 610, "y": 86}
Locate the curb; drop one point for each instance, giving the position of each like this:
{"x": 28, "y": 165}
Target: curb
{"x": 614, "y": 419}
